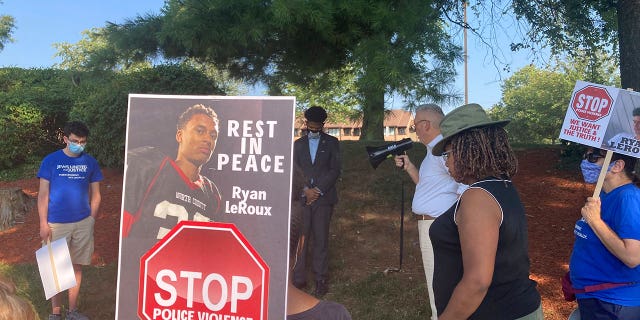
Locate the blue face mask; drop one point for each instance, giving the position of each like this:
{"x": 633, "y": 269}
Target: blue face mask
{"x": 591, "y": 171}
{"x": 76, "y": 148}
{"x": 313, "y": 135}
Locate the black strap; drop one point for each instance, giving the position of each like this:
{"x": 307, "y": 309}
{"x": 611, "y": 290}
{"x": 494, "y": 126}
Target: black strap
{"x": 603, "y": 286}
{"x": 401, "y": 219}
{"x": 594, "y": 287}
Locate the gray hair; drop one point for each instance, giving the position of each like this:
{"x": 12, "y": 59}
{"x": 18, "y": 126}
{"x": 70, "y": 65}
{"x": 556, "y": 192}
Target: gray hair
{"x": 433, "y": 108}
{"x": 430, "y": 107}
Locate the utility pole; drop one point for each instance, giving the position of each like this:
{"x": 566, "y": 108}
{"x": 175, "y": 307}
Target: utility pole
{"x": 466, "y": 74}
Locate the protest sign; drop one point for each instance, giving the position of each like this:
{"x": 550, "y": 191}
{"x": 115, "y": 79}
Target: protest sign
{"x": 206, "y": 159}
{"x": 56, "y": 269}
{"x": 232, "y": 272}
{"x": 602, "y": 117}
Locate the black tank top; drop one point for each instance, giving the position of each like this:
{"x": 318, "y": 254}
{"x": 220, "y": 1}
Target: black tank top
{"x": 512, "y": 294}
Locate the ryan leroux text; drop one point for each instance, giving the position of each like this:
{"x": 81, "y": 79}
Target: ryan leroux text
{"x": 242, "y": 207}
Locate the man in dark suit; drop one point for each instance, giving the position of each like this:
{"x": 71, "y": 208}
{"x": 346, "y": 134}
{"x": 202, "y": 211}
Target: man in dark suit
{"x": 318, "y": 154}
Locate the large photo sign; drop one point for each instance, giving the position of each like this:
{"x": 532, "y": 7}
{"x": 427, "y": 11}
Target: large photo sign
{"x": 603, "y": 117}
{"x": 209, "y": 160}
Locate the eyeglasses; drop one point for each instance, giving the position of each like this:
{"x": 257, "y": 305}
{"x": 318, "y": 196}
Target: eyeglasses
{"x": 412, "y": 128}
{"x": 592, "y": 156}
{"x": 445, "y": 155}
{"x": 75, "y": 141}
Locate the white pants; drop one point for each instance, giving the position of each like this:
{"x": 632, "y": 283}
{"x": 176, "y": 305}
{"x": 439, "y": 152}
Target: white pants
{"x": 427, "y": 261}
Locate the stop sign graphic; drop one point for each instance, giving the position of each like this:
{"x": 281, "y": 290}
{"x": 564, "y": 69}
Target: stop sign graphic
{"x": 591, "y": 103}
{"x": 203, "y": 270}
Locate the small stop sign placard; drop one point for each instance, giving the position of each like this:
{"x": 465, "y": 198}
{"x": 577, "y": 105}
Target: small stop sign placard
{"x": 203, "y": 271}
{"x": 591, "y": 103}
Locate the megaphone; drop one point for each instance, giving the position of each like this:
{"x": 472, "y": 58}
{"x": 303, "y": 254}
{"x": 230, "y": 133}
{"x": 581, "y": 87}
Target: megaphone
{"x": 379, "y": 154}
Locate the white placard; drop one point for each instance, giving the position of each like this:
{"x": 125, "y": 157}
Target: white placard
{"x": 602, "y": 117}
{"x": 56, "y": 269}
{"x": 243, "y": 177}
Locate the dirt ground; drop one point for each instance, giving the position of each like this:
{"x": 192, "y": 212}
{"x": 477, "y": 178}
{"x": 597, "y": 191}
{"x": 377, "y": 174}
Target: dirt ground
{"x": 552, "y": 199}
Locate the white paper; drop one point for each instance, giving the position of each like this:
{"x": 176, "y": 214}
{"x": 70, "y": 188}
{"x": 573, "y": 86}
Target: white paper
{"x": 61, "y": 265}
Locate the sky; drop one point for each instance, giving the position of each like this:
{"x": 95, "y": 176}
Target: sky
{"x": 41, "y": 23}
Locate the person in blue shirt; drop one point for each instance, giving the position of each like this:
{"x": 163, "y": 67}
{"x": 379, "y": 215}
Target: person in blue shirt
{"x": 68, "y": 202}
{"x": 606, "y": 253}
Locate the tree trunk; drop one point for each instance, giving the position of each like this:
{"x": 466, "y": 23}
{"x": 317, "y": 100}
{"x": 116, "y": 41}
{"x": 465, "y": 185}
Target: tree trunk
{"x": 629, "y": 42}
{"x": 373, "y": 115}
{"x": 14, "y": 205}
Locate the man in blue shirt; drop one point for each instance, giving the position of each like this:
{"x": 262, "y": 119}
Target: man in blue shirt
{"x": 68, "y": 201}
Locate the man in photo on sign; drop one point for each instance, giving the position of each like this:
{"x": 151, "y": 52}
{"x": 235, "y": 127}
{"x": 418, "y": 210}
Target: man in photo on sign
{"x": 161, "y": 191}
{"x": 626, "y": 141}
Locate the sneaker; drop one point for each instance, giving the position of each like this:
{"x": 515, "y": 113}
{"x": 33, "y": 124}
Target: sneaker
{"x": 75, "y": 315}
{"x": 55, "y": 317}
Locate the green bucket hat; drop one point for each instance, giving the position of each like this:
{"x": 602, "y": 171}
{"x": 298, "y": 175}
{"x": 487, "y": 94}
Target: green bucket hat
{"x": 460, "y": 119}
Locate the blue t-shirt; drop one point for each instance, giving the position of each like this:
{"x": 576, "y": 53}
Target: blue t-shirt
{"x": 69, "y": 179}
{"x": 592, "y": 263}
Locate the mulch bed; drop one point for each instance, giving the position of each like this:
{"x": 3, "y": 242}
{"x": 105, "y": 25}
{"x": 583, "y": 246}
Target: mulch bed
{"x": 552, "y": 199}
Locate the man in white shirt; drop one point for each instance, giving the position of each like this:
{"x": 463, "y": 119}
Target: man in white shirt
{"x": 435, "y": 191}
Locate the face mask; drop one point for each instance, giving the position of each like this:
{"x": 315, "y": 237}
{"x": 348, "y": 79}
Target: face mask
{"x": 76, "y": 148}
{"x": 591, "y": 171}
{"x": 313, "y": 135}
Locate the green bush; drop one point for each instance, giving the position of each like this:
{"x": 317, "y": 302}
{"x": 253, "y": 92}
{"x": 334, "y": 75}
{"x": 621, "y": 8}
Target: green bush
{"x": 20, "y": 128}
{"x": 571, "y": 154}
{"x": 104, "y": 108}
{"x": 35, "y": 104}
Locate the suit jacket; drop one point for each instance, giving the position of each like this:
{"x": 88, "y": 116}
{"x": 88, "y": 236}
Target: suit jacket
{"x": 324, "y": 172}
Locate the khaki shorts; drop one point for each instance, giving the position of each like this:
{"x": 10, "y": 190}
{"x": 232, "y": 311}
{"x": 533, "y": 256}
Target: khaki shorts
{"x": 79, "y": 238}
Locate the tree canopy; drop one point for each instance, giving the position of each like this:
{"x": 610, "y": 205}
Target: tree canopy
{"x": 575, "y": 25}
{"x": 399, "y": 47}
{"x": 7, "y": 24}
{"x": 335, "y": 91}
{"x": 536, "y": 99}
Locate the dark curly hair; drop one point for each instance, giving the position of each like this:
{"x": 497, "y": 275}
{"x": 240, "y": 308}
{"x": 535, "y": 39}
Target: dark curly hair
{"x": 315, "y": 114}
{"x": 193, "y": 110}
{"x": 76, "y": 127}
{"x": 482, "y": 152}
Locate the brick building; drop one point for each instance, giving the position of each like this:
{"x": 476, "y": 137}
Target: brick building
{"x": 396, "y": 127}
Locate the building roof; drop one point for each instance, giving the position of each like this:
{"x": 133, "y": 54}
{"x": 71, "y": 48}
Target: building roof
{"x": 393, "y": 118}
